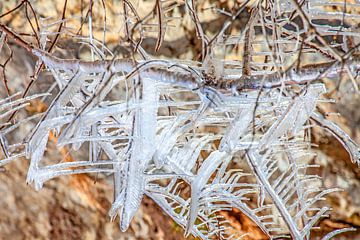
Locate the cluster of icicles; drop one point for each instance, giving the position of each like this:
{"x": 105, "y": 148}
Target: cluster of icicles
{"x": 181, "y": 146}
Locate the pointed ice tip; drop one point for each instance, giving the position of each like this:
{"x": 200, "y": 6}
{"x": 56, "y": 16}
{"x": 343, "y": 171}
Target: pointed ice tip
{"x": 125, "y": 220}
{"x": 188, "y": 228}
{"x": 112, "y": 218}
{"x": 112, "y": 214}
{"x": 124, "y": 225}
{"x": 223, "y": 147}
{"x": 187, "y": 233}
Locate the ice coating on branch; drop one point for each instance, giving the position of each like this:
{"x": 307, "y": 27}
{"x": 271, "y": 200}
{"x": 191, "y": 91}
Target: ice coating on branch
{"x": 36, "y": 157}
{"x": 294, "y": 115}
{"x": 145, "y": 125}
{"x": 239, "y": 126}
{"x": 148, "y": 119}
{"x": 308, "y": 105}
{"x": 206, "y": 170}
{"x": 9, "y": 106}
{"x": 154, "y": 143}
{"x": 350, "y": 145}
{"x": 178, "y": 131}
{"x": 167, "y": 139}
{"x": 184, "y": 159}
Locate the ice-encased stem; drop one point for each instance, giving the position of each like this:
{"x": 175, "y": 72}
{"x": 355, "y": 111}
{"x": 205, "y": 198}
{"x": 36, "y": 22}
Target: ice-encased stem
{"x": 143, "y": 147}
{"x": 252, "y": 158}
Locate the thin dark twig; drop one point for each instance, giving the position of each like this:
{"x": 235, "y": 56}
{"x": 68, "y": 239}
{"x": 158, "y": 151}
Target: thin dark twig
{"x": 40, "y": 67}
{"x": 105, "y": 22}
{"x": 313, "y": 30}
{"x": 246, "y": 70}
{"x": 32, "y": 26}
{"x": 130, "y": 32}
{"x": 299, "y": 56}
{"x": 37, "y": 72}
{"x": 18, "y": 40}
{"x": 5, "y": 80}
{"x": 35, "y": 17}
{"x": 14, "y": 9}
{"x": 60, "y": 27}
{"x": 230, "y": 22}
{"x": 82, "y": 19}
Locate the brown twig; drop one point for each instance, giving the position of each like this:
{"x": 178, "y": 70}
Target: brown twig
{"x": 40, "y": 67}
{"x": 5, "y": 80}
{"x": 18, "y": 40}
{"x": 14, "y": 9}
{"x": 31, "y": 25}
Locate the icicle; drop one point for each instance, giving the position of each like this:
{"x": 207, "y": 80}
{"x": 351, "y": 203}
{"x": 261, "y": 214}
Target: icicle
{"x": 167, "y": 139}
{"x": 206, "y": 170}
{"x": 239, "y": 126}
{"x": 37, "y": 154}
{"x": 352, "y": 148}
{"x": 148, "y": 121}
{"x": 2, "y": 41}
{"x": 338, "y": 231}
{"x": 11, "y": 158}
{"x": 294, "y": 116}
{"x": 143, "y": 148}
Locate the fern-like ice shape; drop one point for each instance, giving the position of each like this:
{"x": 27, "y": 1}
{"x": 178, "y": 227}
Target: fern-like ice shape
{"x": 9, "y": 106}
{"x": 145, "y": 144}
{"x": 197, "y": 138}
